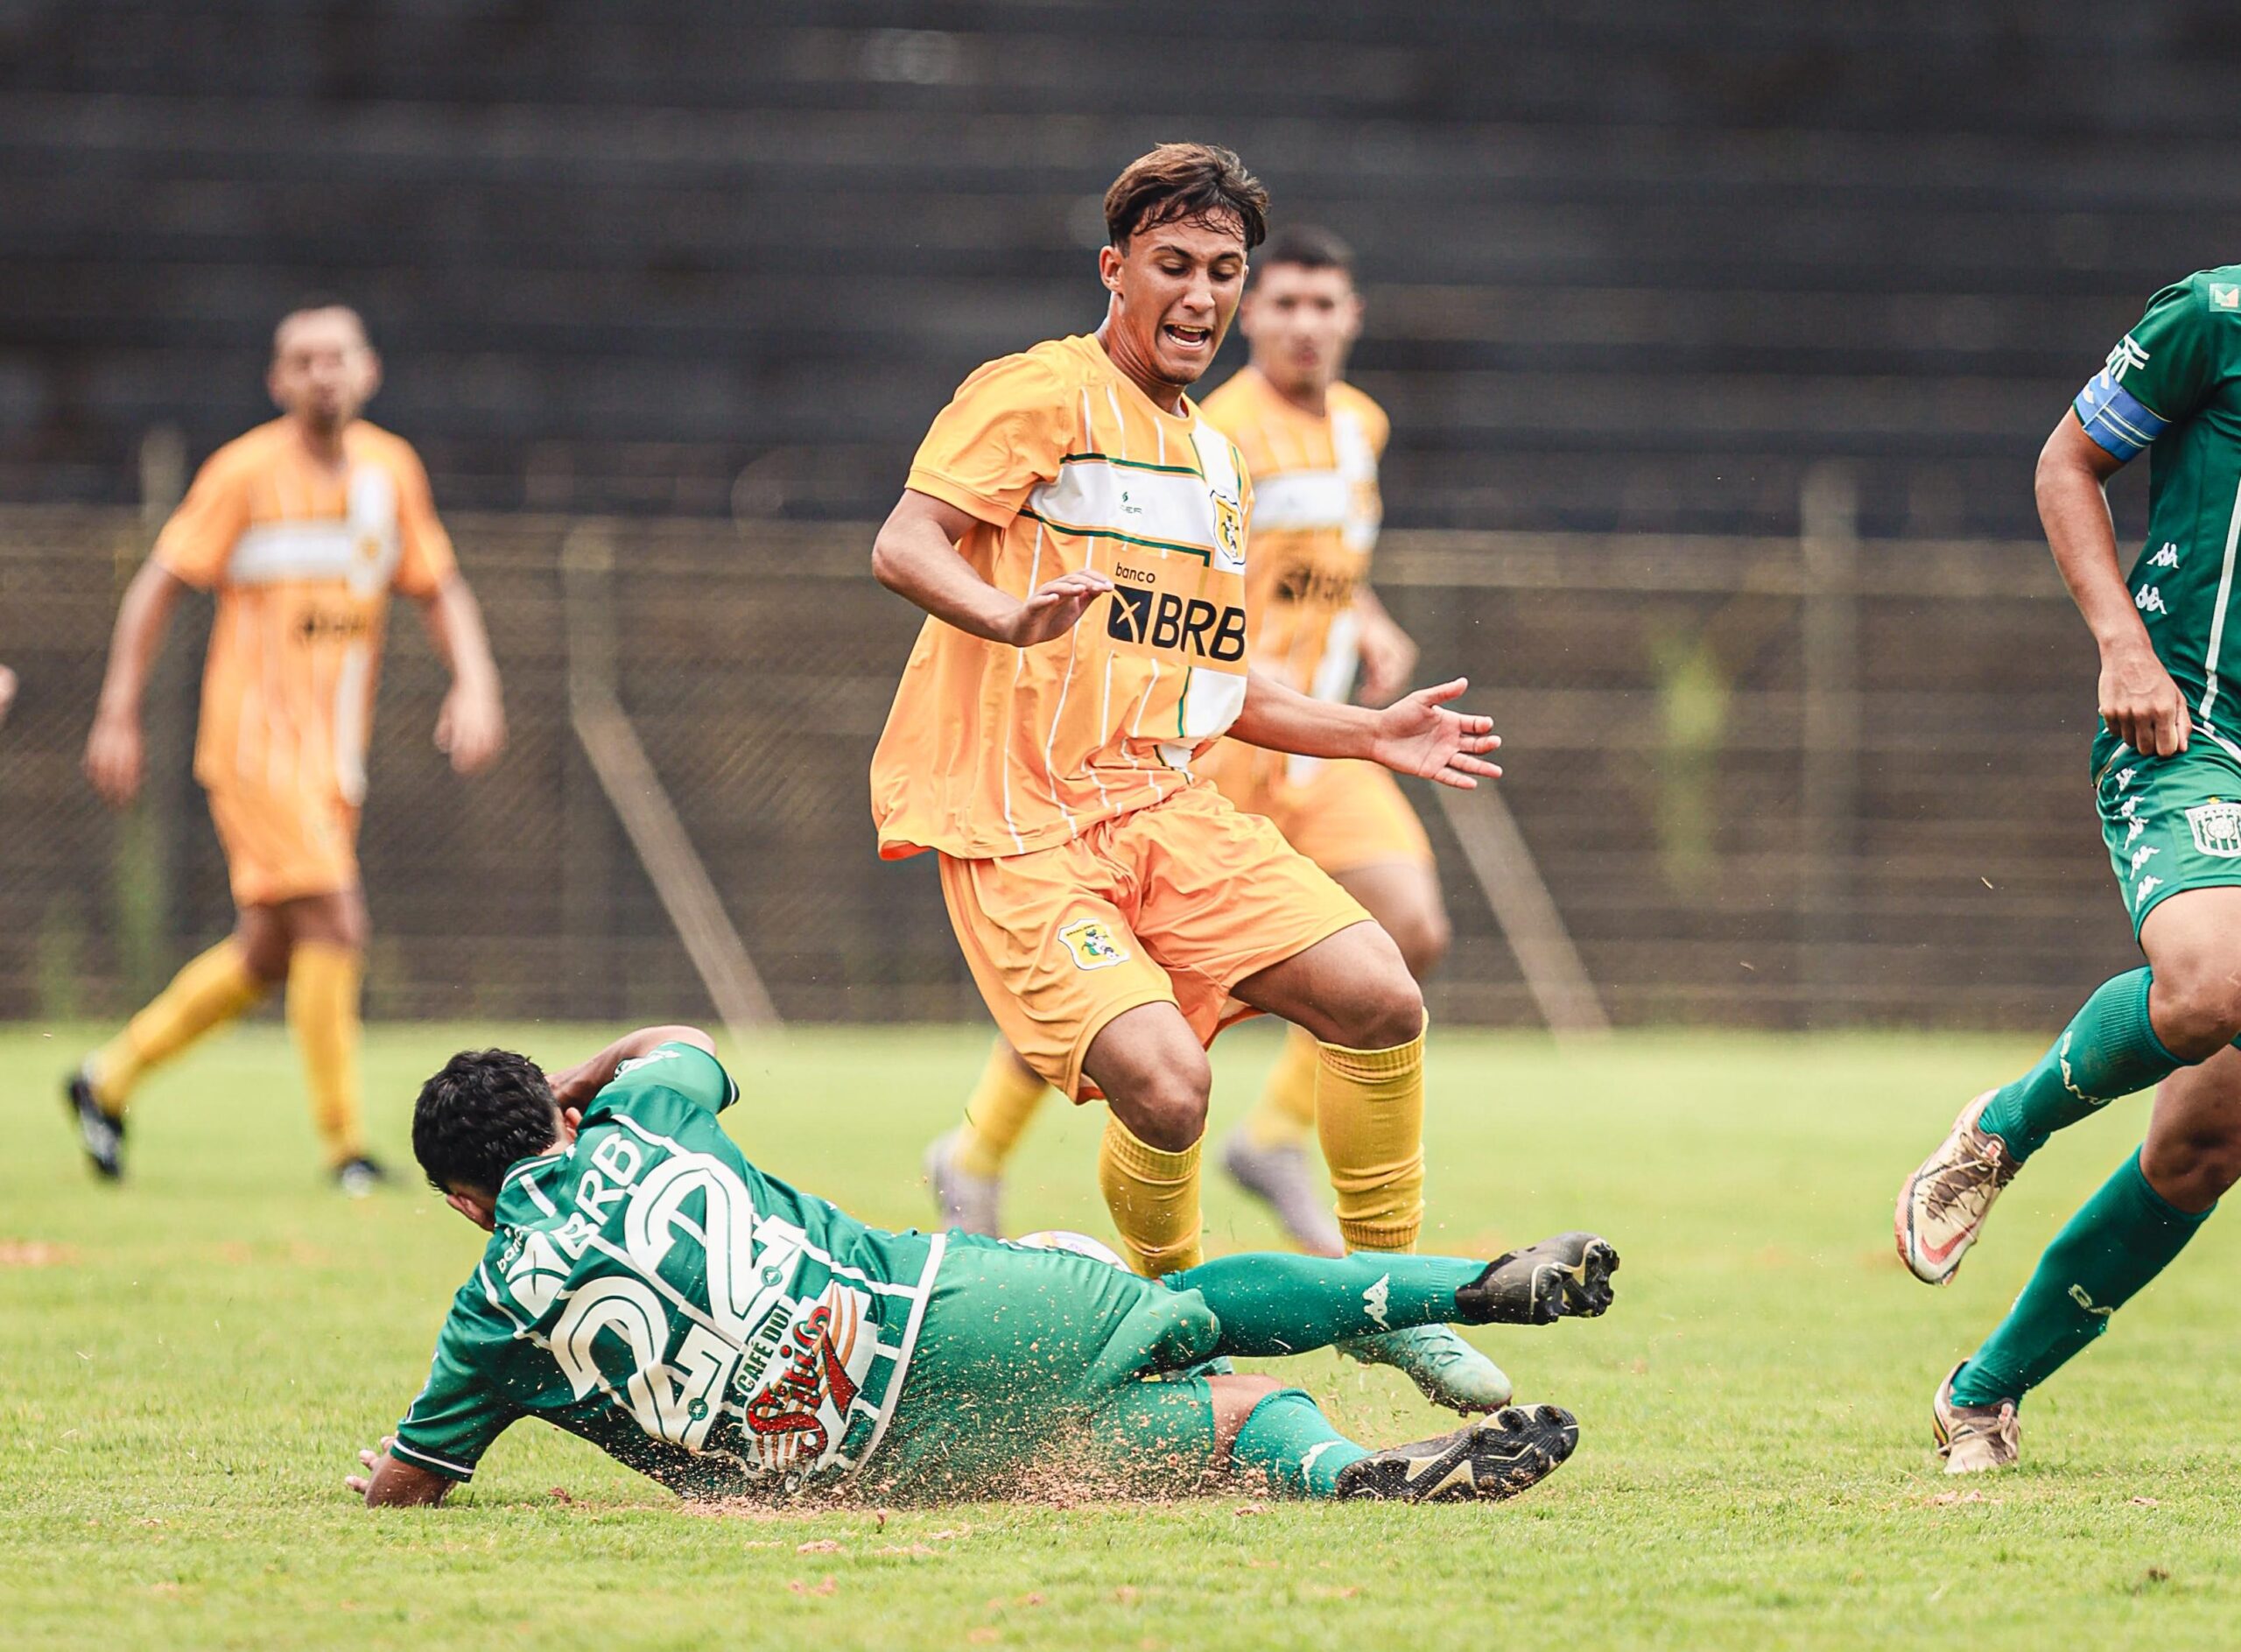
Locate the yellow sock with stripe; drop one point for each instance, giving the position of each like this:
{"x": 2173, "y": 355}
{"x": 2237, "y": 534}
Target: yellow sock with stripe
{"x": 323, "y": 1014}
{"x": 996, "y": 1113}
{"x": 210, "y": 992}
{"x": 1153, "y": 1197}
{"x": 1285, "y": 1114}
{"x": 1369, "y": 1107}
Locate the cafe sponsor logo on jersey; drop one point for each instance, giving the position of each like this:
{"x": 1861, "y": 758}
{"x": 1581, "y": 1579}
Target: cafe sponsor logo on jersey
{"x": 2217, "y": 826}
{"x": 1091, "y": 945}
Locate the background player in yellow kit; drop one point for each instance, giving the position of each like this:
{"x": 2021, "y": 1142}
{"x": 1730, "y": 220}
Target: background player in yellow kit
{"x": 1311, "y": 444}
{"x": 302, "y": 527}
{"x": 1077, "y": 536}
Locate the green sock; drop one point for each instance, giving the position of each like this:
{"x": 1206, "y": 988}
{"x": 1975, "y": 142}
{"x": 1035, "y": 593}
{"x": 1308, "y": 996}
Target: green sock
{"x": 2122, "y": 1237}
{"x": 1277, "y": 1304}
{"x": 2108, "y": 1051}
{"x": 1288, "y": 1439}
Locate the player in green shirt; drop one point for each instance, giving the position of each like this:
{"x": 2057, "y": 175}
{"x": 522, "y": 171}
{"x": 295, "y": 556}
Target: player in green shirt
{"x": 2167, "y": 773}
{"x": 646, "y": 1287}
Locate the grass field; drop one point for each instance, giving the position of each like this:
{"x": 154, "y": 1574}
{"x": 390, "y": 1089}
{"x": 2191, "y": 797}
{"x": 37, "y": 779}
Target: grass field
{"x": 188, "y": 1364}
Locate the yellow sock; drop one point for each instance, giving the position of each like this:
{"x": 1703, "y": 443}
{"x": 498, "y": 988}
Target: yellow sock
{"x": 1370, "y": 1106}
{"x": 1154, "y": 1199}
{"x": 997, "y": 1112}
{"x": 210, "y": 991}
{"x": 323, "y": 1014}
{"x": 1285, "y": 1114}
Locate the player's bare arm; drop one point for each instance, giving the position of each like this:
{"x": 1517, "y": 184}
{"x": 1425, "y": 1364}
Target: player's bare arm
{"x": 577, "y": 1085}
{"x": 1389, "y": 654}
{"x": 1417, "y": 736}
{"x": 116, "y": 753}
{"x": 915, "y": 557}
{"x": 2139, "y": 702}
{"x": 471, "y": 727}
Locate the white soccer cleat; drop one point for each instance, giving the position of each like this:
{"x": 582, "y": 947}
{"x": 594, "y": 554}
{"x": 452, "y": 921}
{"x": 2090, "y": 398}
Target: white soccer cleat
{"x": 1942, "y": 1206}
{"x": 1974, "y": 1439}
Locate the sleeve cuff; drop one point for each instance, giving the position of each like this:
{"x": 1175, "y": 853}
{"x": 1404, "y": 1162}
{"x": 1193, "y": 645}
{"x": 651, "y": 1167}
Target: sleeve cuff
{"x": 2119, "y": 423}
{"x": 978, "y": 506}
{"x": 443, "y": 1465}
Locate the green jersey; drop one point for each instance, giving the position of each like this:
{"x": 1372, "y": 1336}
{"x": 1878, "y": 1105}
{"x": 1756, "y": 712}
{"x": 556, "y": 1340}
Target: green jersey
{"x": 651, "y": 1291}
{"x": 2173, "y": 384}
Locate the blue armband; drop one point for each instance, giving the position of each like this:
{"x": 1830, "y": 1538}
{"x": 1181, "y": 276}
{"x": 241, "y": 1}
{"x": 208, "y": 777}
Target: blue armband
{"x": 2116, "y": 418}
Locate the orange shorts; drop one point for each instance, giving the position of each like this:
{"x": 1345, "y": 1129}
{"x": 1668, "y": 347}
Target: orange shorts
{"x": 279, "y": 848}
{"x": 1174, "y": 903}
{"x": 1341, "y": 815}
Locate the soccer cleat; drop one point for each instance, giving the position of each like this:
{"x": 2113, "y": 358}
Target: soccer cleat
{"x": 965, "y": 1200}
{"x": 101, "y": 1133}
{"x": 1449, "y": 1370}
{"x": 358, "y": 1178}
{"x": 1568, "y": 1275}
{"x": 1942, "y": 1206}
{"x": 1283, "y": 1179}
{"x": 1974, "y": 1439}
{"x": 1490, "y": 1460}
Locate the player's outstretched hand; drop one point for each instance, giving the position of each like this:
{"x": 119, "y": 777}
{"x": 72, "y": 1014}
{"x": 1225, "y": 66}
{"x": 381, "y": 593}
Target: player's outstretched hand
{"x": 1419, "y": 735}
{"x": 2140, "y": 704}
{"x": 116, "y": 758}
{"x": 1054, "y": 609}
{"x": 471, "y": 729}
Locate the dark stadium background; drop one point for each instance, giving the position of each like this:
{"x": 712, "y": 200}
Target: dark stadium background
{"x": 1719, "y": 340}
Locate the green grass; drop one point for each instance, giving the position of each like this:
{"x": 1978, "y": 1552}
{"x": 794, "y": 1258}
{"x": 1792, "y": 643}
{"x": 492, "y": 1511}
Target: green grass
{"x": 186, "y": 1377}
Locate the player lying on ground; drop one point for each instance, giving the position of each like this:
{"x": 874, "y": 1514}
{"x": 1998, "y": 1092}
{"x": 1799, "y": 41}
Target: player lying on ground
{"x": 2167, "y": 770}
{"x": 648, "y": 1288}
{"x": 1079, "y": 538}
{"x": 1311, "y": 442}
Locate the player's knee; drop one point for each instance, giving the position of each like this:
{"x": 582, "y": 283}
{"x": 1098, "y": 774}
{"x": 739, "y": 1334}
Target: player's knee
{"x": 1164, "y": 1105}
{"x": 2195, "y": 1007}
{"x": 265, "y": 951}
{"x": 2194, "y": 1167}
{"x": 1385, "y": 1009}
{"x": 1234, "y": 1396}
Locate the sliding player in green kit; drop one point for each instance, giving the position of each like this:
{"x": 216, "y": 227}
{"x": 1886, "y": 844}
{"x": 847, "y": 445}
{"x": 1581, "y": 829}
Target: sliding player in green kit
{"x": 2166, "y": 771}
{"x": 649, "y": 1290}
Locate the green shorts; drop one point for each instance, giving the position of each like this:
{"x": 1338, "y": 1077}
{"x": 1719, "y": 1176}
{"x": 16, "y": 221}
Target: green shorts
{"x": 1022, "y": 1374}
{"x": 2171, "y": 823}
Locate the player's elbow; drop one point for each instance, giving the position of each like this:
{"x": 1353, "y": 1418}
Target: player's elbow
{"x": 889, "y": 560}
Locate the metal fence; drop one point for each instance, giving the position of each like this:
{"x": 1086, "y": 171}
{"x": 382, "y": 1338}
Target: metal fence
{"x": 1768, "y": 781}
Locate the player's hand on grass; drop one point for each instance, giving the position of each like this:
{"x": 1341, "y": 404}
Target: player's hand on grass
{"x": 115, "y": 757}
{"x": 471, "y": 729}
{"x": 2140, "y": 704}
{"x": 363, "y": 1483}
{"x": 1055, "y": 609}
{"x": 1389, "y": 657}
{"x": 1419, "y": 735}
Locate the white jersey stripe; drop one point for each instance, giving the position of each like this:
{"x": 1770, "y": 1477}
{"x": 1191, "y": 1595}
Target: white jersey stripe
{"x": 2217, "y": 620}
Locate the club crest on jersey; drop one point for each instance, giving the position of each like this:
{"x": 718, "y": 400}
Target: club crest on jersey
{"x": 1229, "y": 528}
{"x": 1092, "y": 946}
{"x": 2217, "y": 826}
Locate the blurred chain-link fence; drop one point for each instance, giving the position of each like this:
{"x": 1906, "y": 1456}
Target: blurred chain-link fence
{"x": 1768, "y": 782}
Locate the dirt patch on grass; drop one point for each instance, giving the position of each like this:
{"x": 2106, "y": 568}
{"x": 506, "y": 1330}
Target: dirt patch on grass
{"x": 36, "y": 1253}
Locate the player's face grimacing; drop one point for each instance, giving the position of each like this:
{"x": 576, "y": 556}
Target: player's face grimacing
{"x": 1301, "y": 323}
{"x": 323, "y": 369}
{"x": 1174, "y": 290}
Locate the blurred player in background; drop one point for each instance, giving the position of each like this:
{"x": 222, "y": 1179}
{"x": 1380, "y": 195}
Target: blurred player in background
{"x": 301, "y": 527}
{"x": 1311, "y": 444}
{"x": 2167, "y": 770}
{"x": 1077, "y": 536}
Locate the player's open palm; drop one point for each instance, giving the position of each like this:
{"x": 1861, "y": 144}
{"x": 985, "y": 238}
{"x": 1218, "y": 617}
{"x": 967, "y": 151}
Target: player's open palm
{"x": 1054, "y": 609}
{"x": 116, "y": 759}
{"x": 1420, "y": 735}
{"x": 2141, "y": 704}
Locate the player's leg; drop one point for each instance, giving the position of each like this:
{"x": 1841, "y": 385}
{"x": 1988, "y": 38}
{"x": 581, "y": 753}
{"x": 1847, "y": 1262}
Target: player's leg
{"x": 325, "y": 971}
{"x": 1152, "y": 1067}
{"x": 965, "y": 1166}
{"x": 2179, "y": 877}
{"x": 211, "y": 990}
{"x": 2120, "y": 1240}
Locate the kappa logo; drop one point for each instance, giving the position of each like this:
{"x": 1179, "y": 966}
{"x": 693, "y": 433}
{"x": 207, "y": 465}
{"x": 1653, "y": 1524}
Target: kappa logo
{"x": 2124, "y": 776}
{"x": 1163, "y": 620}
{"x": 2145, "y": 888}
{"x": 2217, "y": 826}
{"x": 2141, "y": 857}
{"x": 2149, "y": 599}
{"x": 1377, "y": 1300}
{"x": 2078, "y": 1294}
{"x": 1092, "y": 944}
{"x": 2167, "y": 558}
{"x": 2132, "y": 832}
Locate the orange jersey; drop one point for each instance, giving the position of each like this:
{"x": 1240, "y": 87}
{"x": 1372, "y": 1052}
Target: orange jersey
{"x": 1064, "y": 464}
{"x": 302, "y": 559}
{"x": 1314, "y": 526}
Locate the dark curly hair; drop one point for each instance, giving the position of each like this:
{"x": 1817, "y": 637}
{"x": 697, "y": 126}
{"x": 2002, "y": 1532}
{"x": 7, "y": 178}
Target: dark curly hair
{"x": 482, "y": 1115}
{"x": 1197, "y": 183}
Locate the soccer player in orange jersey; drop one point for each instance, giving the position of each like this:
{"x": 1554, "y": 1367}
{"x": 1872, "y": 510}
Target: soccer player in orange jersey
{"x": 1311, "y": 443}
{"x": 301, "y": 527}
{"x": 1077, "y": 535}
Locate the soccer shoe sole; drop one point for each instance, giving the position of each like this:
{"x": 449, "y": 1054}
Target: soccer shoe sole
{"x": 101, "y": 1137}
{"x": 1489, "y": 1461}
{"x": 1567, "y": 1276}
{"x": 1936, "y": 1268}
